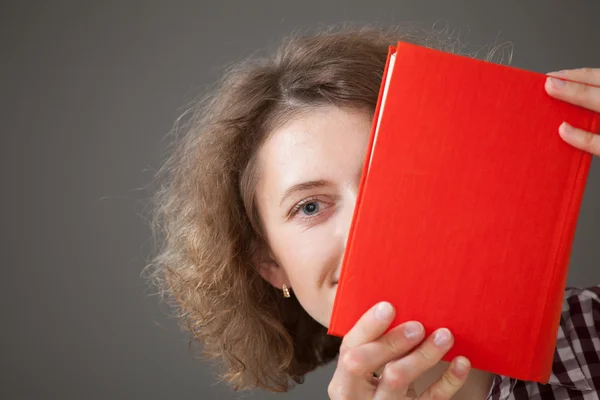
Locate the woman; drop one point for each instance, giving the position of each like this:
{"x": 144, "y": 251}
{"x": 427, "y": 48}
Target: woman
{"x": 255, "y": 204}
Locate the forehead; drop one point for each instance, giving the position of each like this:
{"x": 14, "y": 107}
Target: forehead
{"x": 319, "y": 144}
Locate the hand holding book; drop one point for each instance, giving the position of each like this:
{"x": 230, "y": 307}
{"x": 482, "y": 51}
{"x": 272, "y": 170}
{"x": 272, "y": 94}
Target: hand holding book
{"x": 565, "y": 86}
{"x": 400, "y": 355}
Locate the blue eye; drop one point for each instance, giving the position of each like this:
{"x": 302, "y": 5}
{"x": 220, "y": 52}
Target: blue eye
{"x": 310, "y": 208}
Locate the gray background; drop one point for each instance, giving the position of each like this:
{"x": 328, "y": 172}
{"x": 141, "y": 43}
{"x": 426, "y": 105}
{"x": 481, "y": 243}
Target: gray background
{"x": 88, "y": 92}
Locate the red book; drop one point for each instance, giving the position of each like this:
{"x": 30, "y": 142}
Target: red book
{"x": 467, "y": 209}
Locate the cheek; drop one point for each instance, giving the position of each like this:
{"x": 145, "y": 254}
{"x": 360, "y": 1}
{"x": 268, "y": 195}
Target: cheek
{"x": 302, "y": 256}
{"x": 308, "y": 257}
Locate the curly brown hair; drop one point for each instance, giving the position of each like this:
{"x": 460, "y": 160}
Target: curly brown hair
{"x": 204, "y": 212}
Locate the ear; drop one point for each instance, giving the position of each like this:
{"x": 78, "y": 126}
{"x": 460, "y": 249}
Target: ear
{"x": 268, "y": 268}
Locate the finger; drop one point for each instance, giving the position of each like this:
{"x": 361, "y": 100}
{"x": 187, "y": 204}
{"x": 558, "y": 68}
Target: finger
{"x": 580, "y": 139}
{"x": 398, "y": 375}
{"x": 370, "y": 326}
{"x": 363, "y": 360}
{"x": 353, "y": 376}
{"x": 351, "y": 379}
{"x": 450, "y": 383}
{"x": 587, "y": 95}
{"x": 590, "y": 76}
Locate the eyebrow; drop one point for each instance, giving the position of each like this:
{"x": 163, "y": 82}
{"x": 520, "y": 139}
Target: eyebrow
{"x": 302, "y": 186}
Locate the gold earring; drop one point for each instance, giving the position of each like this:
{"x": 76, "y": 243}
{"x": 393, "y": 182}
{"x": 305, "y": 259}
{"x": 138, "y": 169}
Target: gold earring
{"x": 286, "y": 291}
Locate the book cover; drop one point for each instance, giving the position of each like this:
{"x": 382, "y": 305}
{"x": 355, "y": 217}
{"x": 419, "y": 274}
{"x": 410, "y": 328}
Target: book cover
{"x": 467, "y": 209}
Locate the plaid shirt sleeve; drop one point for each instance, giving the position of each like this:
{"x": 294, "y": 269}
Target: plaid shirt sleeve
{"x": 576, "y": 365}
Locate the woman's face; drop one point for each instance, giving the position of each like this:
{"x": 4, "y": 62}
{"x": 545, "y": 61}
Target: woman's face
{"x": 310, "y": 169}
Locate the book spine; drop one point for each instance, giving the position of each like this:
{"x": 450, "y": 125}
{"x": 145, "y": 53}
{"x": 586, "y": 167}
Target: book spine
{"x": 541, "y": 367}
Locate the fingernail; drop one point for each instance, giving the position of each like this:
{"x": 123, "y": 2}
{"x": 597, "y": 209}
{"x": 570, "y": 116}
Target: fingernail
{"x": 383, "y": 311}
{"x": 557, "y": 83}
{"x": 442, "y": 337}
{"x": 566, "y": 129}
{"x": 561, "y": 72}
{"x": 460, "y": 367}
{"x": 412, "y": 329}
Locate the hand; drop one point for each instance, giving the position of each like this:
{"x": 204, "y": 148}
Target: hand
{"x": 587, "y": 96}
{"x": 367, "y": 348}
